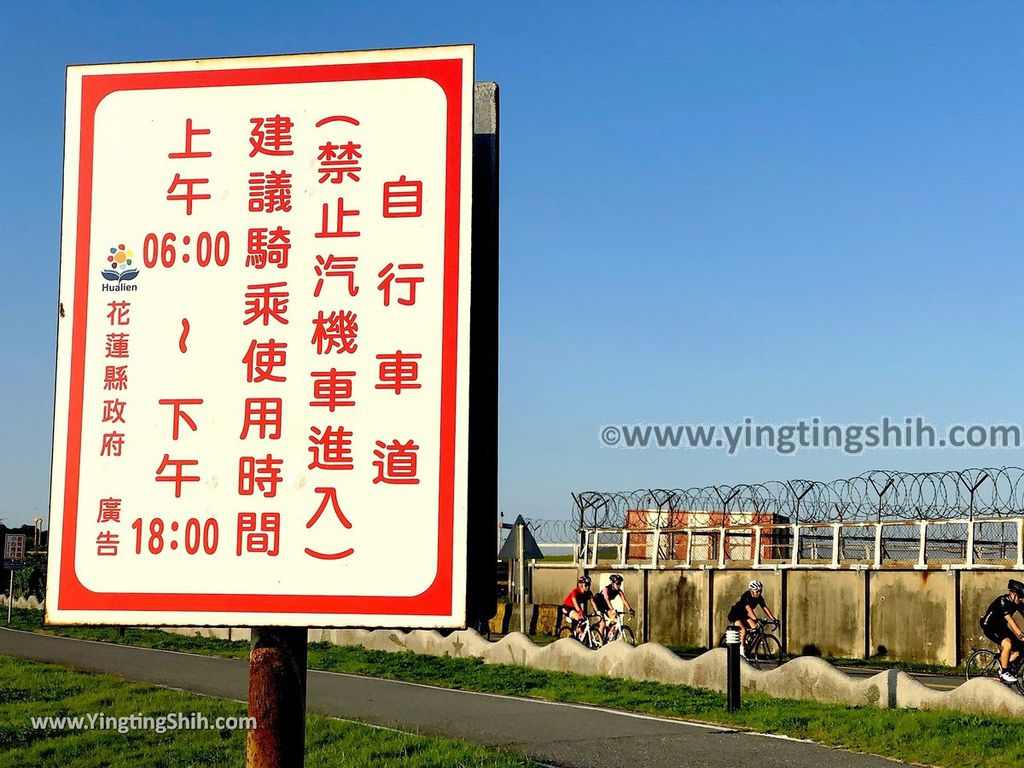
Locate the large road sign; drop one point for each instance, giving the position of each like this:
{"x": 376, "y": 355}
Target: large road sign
{"x": 263, "y": 352}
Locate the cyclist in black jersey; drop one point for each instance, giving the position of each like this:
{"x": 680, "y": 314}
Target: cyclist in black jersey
{"x": 742, "y": 614}
{"x": 603, "y": 601}
{"x": 999, "y": 627}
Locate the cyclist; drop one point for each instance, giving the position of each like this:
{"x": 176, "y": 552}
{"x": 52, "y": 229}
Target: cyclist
{"x": 742, "y": 614}
{"x": 603, "y": 602}
{"x": 574, "y": 607}
{"x": 999, "y": 627}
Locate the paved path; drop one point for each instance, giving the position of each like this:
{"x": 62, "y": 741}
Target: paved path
{"x": 567, "y": 735}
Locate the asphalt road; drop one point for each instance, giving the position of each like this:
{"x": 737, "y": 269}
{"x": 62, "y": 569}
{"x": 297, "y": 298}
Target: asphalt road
{"x": 928, "y": 679}
{"x": 558, "y": 734}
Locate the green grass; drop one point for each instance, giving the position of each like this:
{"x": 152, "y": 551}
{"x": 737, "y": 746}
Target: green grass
{"x": 928, "y": 737}
{"x": 30, "y": 689}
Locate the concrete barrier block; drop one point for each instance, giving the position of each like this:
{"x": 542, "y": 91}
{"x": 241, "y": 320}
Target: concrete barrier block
{"x": 499, "y": 622}
{"x": 654, "y": 662}
{"x": 613, "y": 658}
{"x": 468, "y": 643}
{"x": 347, "y": 636}
{"x": 709, "y": 670}
{"x": 809, "y": 677}
{"x": 385, "y": 640}
{"x": 531, "y": 618}
{"x": 565, "y": 655}
{"x": 978, "y": 696}
{"x": 513, "y": 648}
{"x": 547, "y": 619}
{"x": 426, "y": 641}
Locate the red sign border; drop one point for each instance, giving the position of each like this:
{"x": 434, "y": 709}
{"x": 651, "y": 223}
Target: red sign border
{"x": 437, "y": 599}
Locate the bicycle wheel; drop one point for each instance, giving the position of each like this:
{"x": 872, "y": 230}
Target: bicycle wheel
{"x": 593, "y": 639}
{"x": 767, "y": 652}
{"x": 982, "y": 663}
{"x": 626, "y": 635}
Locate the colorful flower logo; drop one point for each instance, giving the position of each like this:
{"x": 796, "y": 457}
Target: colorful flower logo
{"x": 120, "y": 265}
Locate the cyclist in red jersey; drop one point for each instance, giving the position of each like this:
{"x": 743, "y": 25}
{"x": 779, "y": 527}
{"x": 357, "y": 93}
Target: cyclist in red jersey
{"x": 574, "y": 607}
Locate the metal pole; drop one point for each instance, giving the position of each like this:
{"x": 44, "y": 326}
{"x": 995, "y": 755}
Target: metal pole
{"x": 277, "y": 698}
{"x": 732, "y": 645}
{"x": 521, "y": 560}
{"x": 10, "y": 597}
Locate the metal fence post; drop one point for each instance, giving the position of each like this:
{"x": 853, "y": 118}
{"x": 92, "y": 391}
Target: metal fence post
{"x": 1020, "y": 543}
{"x": 878, "y": 545}
{"x": 835, "y": 545}
{"x": 970, "y": 543}
{"x": 922, "y": 560}
{"x": 656, "y": 546}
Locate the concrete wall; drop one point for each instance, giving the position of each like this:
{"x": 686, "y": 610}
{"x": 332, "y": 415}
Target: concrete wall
{"x": 678, "y": 607}
{"x": 913, "y": 615}
{"x": 551, "y": 584}
{"x": 924, "y": 616}
{"x": 825, "y": 613}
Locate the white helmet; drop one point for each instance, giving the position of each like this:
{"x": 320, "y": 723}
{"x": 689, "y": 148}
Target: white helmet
{"x": 755, "y": 586}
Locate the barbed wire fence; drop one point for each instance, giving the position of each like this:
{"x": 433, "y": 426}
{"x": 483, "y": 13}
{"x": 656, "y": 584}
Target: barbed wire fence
{"x": 876, "y": 496}
{"x": 974, "y": 501}
{"x": 902, "y": 501}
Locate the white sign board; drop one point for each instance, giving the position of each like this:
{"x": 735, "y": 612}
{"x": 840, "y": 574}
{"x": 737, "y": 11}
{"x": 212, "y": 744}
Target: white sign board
{"x": 14, "y": 546}
{"x": 262, "y": 374}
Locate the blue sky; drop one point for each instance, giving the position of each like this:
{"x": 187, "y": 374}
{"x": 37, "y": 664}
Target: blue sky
{"x": 710, "y": 211}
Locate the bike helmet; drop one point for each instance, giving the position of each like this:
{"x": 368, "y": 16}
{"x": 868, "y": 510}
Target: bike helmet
{"x": 755, "y": 586}
{"x": 1016, "y": 587}
{"x": 584, "y": 580}
{"x": 615, "y": 578}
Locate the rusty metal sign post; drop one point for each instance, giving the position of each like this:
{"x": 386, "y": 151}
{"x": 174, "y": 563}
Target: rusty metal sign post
{"x": 277, "y": 697}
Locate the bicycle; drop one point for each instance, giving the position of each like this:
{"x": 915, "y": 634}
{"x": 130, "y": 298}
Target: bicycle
{"x": 619, "y": 629}
{"x": 585, "y": 630}
{"x": 984, "y": 662}
{"x": 763, "y": 649}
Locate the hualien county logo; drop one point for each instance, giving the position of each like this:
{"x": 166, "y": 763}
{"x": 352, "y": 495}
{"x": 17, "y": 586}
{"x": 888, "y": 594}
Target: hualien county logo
{"x": 120, "y": 265}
